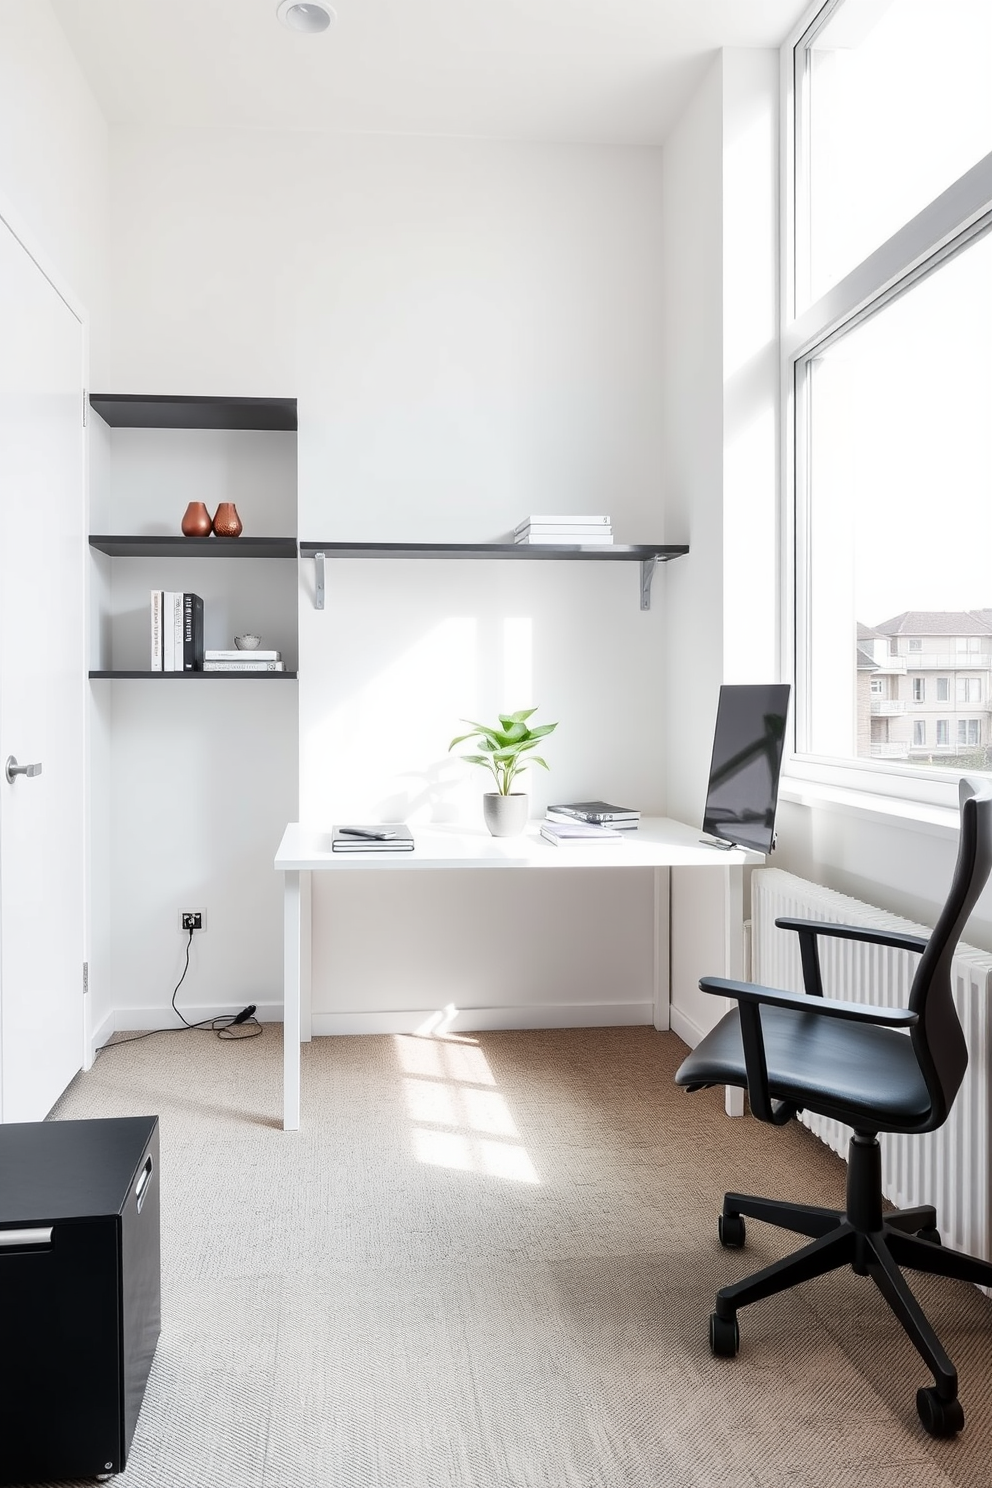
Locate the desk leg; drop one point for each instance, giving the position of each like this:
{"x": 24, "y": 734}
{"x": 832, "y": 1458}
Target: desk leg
{"x": 306, "y": 958}
{"x": 292, "y": 969}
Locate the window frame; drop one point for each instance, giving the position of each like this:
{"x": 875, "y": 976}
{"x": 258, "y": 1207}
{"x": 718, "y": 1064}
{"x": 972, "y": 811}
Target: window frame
{"x": 944, "y": 228}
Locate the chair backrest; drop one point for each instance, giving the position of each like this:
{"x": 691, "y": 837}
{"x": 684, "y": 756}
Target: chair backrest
{"x": 937, "y": 1037}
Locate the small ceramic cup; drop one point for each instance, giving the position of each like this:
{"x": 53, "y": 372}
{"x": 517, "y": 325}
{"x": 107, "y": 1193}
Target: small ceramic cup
{"x": 247, "y": 642}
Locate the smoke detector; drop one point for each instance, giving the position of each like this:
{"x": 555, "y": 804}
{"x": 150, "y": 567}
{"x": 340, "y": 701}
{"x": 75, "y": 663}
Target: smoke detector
{"x": 311, "y": 16}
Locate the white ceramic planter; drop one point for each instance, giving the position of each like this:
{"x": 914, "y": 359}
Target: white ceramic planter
{"x": 505, "y": 816}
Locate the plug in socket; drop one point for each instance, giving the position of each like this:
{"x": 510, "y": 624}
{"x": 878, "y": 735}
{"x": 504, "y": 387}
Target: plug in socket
{"x": 192, "y": 919}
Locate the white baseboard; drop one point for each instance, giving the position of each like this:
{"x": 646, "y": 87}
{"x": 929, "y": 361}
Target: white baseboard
{"x": 687, "y": 1029}
{"x": 468, "y": 1020}
{"x": 143, "y": 1019}
{"x": 415, "y": 1020}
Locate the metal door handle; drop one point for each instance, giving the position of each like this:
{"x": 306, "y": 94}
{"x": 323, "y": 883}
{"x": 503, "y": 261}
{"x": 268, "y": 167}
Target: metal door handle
{"x": 12, "y": 768}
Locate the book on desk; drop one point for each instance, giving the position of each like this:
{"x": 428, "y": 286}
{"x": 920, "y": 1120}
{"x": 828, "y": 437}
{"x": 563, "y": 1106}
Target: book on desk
{"x": 565, "y": 831}
{"x": 372, "y": 837}
{"x": 599, "y": 813}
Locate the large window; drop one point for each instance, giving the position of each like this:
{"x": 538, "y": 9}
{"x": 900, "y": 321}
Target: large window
{"x": 889, "y": 371}
{"x": 896, "y": 105}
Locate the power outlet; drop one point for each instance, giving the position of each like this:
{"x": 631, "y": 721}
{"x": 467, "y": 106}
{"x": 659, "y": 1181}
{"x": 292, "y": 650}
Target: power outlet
{"x": 192, "y": 919}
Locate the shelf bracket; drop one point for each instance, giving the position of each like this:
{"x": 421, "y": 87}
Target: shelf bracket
{"x": 648, "y": 566}
{"x": 318, "y": 581}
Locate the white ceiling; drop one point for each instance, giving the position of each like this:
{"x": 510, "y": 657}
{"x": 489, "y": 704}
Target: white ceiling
{"x": 583, "y": 70}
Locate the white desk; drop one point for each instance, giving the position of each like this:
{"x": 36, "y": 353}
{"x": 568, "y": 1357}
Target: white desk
{"x": 658, "y": 843}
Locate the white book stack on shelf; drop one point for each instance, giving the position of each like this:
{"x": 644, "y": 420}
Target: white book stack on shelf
{"x": 243, "y": 661}
{"x": 574, "y": 531}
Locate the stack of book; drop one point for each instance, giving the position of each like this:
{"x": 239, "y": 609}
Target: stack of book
{"x": 176, "y": 631}
{"x": 597, "y": 814}
{"x": 581, "y": 531}
{"x": 559, "y": 831}
{"x": 243, "y": 661}
{"x": 384, "y": 837}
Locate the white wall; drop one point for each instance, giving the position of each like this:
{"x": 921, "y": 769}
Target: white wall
{"x": 53, "y": 154}
{"x": 719, "y": 268}
{"x": 691, "y": 268}
{"x": 472, "y": 330}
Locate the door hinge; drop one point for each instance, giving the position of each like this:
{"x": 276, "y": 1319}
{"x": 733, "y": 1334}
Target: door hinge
{"x": 86, "y": 977}
{"x": 86, "y": 408}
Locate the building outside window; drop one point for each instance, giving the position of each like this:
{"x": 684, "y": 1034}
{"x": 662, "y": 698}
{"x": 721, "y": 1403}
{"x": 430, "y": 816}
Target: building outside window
{"x": 889, "y": 315}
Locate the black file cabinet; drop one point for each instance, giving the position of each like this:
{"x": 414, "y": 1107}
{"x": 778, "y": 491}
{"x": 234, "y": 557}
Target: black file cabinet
{"x": 80, "y": 1293}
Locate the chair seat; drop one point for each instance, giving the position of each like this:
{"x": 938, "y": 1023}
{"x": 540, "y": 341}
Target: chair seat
{"x": 849, "y": 1071}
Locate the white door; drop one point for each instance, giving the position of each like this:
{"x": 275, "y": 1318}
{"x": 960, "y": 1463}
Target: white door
{"x": 42, "y": 688}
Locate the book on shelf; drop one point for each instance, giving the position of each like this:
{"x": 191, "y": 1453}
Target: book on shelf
{"x": 558, "y": 832}
{"x": 172, "y": 631}
{"x": 243, "y": 666}
{"x": 372, "y": 837}
{"x": 192, "y": 636}
{"x": 155, "y": 610}
{"x": 594, "y": 537}
{"x": 558, "y": 522}
{"x": 598, "y": 812}
{"x": 237, "y": 655}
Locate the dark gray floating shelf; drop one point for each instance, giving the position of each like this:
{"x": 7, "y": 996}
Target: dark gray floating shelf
{"x": 141, "y": 411}
{"x": 195, "y": 547}
{"x": 196, "y": 676}
{"x": 649, "y": 555}
{"x": 593, "y": 551}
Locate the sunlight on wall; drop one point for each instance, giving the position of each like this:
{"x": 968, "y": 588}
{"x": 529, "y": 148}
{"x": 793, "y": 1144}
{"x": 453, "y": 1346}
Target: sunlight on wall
{"x": 382, "y": 751}
{"x": 461, "y": 1120}
{"x": 518, "y": 665}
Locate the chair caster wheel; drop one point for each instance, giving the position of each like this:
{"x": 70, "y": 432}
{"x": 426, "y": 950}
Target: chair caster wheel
{"x": 939, "y": 1417}
{"x": 931, "y": 1236}
{"x": 731, "y": 1229}
{"x": 725, "y": 1336}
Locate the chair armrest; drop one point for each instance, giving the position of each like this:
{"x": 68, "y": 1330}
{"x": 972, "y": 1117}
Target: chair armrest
{"x": 809, "y": 932}
{"x": 855, "y": 932}
{"x": 750, "y": 1000}
{"x": 827, "y": 1007}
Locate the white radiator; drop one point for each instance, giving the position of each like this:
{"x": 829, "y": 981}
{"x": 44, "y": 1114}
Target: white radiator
{"x": 950, "y": 1167}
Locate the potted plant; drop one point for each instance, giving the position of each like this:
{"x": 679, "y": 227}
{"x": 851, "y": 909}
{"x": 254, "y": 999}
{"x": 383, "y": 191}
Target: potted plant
{"x": 505, "y": 751}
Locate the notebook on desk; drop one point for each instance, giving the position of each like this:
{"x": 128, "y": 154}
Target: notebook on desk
{"x": 371, "y": 837}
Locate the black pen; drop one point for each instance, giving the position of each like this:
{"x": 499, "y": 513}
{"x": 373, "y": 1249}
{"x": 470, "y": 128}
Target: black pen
{"x": 364, "y": 832}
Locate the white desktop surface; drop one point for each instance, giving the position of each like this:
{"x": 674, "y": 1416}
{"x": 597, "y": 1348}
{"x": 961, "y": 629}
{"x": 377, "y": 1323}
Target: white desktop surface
{"x": 657, "y": 843}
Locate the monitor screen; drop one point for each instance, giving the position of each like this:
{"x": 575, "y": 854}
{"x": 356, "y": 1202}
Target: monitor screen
{"x": 748, "y": 743}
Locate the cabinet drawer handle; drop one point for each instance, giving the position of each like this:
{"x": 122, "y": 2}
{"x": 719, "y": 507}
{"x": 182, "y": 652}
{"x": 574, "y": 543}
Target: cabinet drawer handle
{"x": 143, "y": 1180}
{"x": 19, "y": 1238}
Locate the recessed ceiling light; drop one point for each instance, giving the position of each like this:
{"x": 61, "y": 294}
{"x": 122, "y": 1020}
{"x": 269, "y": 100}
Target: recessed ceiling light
{"x": 305, "y": 15}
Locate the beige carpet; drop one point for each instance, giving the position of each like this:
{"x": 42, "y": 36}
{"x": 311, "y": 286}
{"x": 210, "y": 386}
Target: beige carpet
{"x": 489, "y": 1263}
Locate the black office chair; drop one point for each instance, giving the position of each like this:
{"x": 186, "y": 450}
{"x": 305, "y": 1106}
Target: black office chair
{"x": 802, "y": 1051}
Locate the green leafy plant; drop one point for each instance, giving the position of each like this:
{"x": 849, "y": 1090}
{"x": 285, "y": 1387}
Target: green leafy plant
{"x": 505, "y": 750}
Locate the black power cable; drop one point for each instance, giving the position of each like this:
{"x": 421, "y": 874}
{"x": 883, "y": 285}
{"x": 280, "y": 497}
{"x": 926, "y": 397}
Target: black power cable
{"x": 247, "y": 1024}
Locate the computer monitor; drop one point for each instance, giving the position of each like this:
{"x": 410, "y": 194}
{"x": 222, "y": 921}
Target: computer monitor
{"x": 748, "y": 744}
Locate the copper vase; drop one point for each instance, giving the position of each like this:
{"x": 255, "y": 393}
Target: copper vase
{"x": 196, "y": 520}
{"x": 227, "y": 523}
